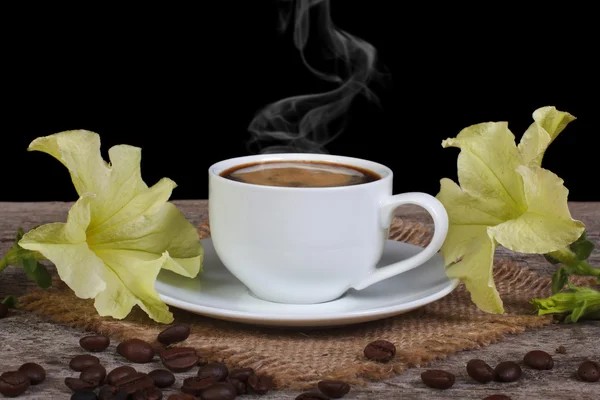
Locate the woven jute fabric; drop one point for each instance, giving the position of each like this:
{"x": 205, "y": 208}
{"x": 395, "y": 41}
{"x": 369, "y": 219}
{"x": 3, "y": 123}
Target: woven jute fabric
{"x": 299, "y": 358}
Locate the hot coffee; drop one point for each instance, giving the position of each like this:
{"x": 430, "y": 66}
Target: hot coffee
{"x": 307, "y": 174}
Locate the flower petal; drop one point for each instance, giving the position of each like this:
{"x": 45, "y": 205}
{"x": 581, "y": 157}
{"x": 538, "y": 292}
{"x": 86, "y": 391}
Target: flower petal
{"x": 114, "y": 185}
{"x": 464, "y": 209}
{"x": 487, "y": 166}
{"x": 548, "y": 123}
{"x": 547, "y": 225}
{"x": 149, "y": 224}
{"x": 64, "y": 244}
{"x": 475, "y": 269}
{"x": 131, "y": 281}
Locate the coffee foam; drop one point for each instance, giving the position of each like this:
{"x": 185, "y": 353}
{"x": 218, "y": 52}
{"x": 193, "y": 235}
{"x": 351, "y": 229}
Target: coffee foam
{"x": 334, "y": 169}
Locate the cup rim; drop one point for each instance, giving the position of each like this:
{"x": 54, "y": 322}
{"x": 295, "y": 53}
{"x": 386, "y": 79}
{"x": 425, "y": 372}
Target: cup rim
{"x": 383, "y": 171}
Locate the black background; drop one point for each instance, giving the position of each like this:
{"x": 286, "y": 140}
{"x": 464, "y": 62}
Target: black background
{"x": 184, "y": 81}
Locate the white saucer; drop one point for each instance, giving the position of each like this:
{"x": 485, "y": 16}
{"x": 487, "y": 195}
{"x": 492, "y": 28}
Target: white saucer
{"x": 217, "y": 293}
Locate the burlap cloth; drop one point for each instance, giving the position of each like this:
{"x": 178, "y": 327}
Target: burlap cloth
{"x": 298, "y": 358}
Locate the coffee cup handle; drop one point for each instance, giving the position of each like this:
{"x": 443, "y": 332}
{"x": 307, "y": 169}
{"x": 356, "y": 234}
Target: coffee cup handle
{"x": 440, "y": 221}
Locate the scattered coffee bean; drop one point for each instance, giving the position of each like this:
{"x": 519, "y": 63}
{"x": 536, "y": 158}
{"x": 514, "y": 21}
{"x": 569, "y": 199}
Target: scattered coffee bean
{"x": 79, "y": 385}
{"x": 174, "y": 334}
{"x": 13, "y": 383}
{"x": 110, "y": 392}
{"x": 3, "y": 310}
{"x": 260, "y": 384}
{"x": 240, "y": 387}
{"x": 480, "y": 371}
{"x": 179, "y": 359}
{"x": 219, "y": 391}
{"x": 334, "y": 389}
{"x": 134, "y": 382}
{"x": 497, "y": 397}
{"x": 84, "y": 395}
{"x": 94, "y": 343}
{"x": 195, "y": 384}
{"x": 539, "y": 360}
{"x": 162, "y": 378}
{"x": 311, "y": 396}
{"x": 148, "y": 394}
{"x": 96, "y": 373}
{"x": 438, "y": 379}
{"x": 589, "y": 371}
{"x": 561, "y": 350}
{"x": 136, "y": 350}
{"x": 216, "y": 370}
{"x": 82, "y": 361}
{"x": 241, "y": 374}
{"x": 380, "y": 350}
{"x": 118, "y": 373}
{"x": 508, "y": 371}
{"x": 35, "y": 372}
{"x": 181, "y": 396}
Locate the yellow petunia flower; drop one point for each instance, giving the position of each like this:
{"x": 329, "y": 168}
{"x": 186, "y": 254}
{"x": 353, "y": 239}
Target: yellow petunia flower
{"x": 505, "y": 198}
{"x": 119, "y": 233}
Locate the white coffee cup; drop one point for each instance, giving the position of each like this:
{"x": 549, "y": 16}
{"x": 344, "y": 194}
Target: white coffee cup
{"x": 310, "y": 245}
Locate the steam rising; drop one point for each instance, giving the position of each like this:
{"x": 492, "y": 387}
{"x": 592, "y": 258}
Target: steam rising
{"x": 306, "y": 123}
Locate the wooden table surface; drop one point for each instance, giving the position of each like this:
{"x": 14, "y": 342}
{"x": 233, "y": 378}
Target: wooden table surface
{"x": 25, "y": 338}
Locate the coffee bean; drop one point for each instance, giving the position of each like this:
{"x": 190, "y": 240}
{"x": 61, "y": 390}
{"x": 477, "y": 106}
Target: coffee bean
{"x": 181, "y": 396}
{"x": 438, "y": 379}
{"x": 334, "y": 389}
{"x": 3, "y": 310}
{"x": 35, "y": 372}
{"x": 508, "y": 371}
{"x": 13, "y": 383}
{"x": 96, "y": 373}
{"x": 84, "y": 395}
{"x": 480, "y": 371}
{"x": 497, "y": 397}
{"x": 216, "y": 370}
{"x": 589, "y": 371}
{"x": 134, "y": 382}
{"x": 79, "y": 385}
{"x": 539, "y": 360}
{"x": 174, "y": 334}
{"x": 179, "y": 359}
{"x": 162, "y": 378}
{"x": 82, "y": 361}
{"x": 136, "y": 350}
{"x": 219, "y": 391}
{"x": 148, "y": 394}
{"x": 311, "y": 396}
{"x": 195, "y": 384}
{"x": 260, "y": 384}
{"x": 94, "y": 343}
{"x": 380, "y": 350}
{"x": 241, "y": 374}
{"x": 561, "y": 350}
{"x": 118, "y": 373}
{"x": 240, "y": 387}
{"x": 110, "y": 392}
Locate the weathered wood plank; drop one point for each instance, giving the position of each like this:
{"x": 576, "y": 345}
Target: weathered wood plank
{"x": 24, "y": 337}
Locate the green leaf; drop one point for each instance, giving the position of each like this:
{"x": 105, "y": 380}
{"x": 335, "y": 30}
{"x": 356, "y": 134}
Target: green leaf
{"x": 560, "y": 279}
{"x": 582, "y": 247}
{"x": 576, "y": 304}
{"x": 37, "y": 272}
{"x": 18, "y": 256}
{"x": 10, "y": 301}
{"x": 551, "y": 259}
